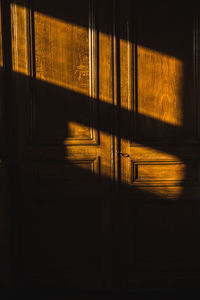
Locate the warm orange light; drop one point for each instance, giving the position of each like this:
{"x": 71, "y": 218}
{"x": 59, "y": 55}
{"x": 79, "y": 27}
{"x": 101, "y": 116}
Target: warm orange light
{"x": 160, "y": 86}
{"x": 64, "y": 56}
{"x": 20, "y": 40}
{"x": 62, "y": 53}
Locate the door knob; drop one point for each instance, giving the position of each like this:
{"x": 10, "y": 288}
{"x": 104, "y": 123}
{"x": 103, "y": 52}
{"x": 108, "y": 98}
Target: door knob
{"x": 124, "y": 154}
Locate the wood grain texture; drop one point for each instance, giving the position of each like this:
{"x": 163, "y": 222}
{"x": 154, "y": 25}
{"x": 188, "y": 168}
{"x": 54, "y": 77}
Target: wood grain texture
{"x": 159, "y": 171}
{"x": 62, "y": 59}
{"x": 105, "y": 91}
{"x": 20, "y": 38}
{"x": 161, "y": 160}
{"x": 163, "y": 68}
{"x": 66, "y": 160}
{"x": 160, "y": 87}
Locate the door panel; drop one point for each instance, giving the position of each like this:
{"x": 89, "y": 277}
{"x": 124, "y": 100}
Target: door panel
{"x": 6, "y": 196}
{"x": 160, "y": 166}
{"x": 66, "y": 163}
{"x": 163, "y": 72}
{"x": 106, "y": 98}
{"x": 63, "y": 57}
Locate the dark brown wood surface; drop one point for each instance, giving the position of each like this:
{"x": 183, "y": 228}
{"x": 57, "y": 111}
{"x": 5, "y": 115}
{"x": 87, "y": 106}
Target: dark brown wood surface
{"x": 106, "y": 112}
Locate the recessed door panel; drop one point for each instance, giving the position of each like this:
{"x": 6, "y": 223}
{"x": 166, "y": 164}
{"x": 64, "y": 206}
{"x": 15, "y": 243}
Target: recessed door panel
{"x": 66, "y": 161}
{"x": 159, "y": 143}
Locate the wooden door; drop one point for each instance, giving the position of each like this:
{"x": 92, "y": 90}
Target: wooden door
{"x": 6, "y": 163}
{"x": 160, "y": 148}
{"x": 106, "y": 98}
{"x": 62, "y": 69}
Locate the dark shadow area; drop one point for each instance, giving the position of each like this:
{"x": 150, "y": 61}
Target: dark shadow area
{"x": 156, "y": 15}
{"x": 46, "y": 133}
{"x": 67, "y": 195}
{"x": 78, "y": 239}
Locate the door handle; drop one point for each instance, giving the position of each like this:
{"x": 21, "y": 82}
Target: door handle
{"x": 124, "y": 154}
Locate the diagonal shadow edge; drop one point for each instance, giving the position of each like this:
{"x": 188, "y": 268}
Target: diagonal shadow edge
{"x": 70, "y": 100}
{"x": 109, "y": 108}
{"x": 61, "y": 14}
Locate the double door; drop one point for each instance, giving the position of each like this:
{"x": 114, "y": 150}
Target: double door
{"x": 106, "y": 144}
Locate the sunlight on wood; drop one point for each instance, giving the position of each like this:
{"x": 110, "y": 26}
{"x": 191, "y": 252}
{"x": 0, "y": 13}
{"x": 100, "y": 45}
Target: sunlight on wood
{"x": 157, "y": 171}
{"x": 101, "y": 137}
{"x": 20, "y": 39}
{"x": 126, "y": 74}
{"x": 105, "y": 68}
{"x": 161, "y": 173}
{"x": 62, "y": 58}
{"x": 65, "y": 55}
{"x": 160, "y": 86}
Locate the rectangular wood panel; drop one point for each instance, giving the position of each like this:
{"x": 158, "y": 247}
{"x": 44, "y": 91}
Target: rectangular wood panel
{"x": 64, "y": 66}
{"x": 160, "y": 150}
{"x": 65, "y": 161}
{"x": 164, "y": 107}
{"x": 168, "y": 172}
{"x": 69, "y": 171}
